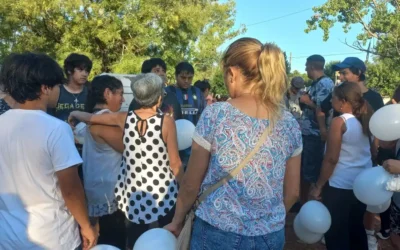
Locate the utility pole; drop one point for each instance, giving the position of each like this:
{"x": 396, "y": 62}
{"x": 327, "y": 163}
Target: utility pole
{"x": 369, "y": 47}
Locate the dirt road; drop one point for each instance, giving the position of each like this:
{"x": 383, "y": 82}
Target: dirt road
{"x": 292, "y": 242}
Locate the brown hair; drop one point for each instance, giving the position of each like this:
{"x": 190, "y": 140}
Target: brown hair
{"x": 265, "y": 66}
{"x": 350, "y": 92}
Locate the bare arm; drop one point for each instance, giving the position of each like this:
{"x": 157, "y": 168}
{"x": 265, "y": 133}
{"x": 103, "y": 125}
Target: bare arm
{"x": 305, "y": 99}
{"x": 169, "y": 133}
{"x": 291, "y": 188}
{"x": 332, "y": 151}
{"x": 322, "y": 123}
{"x": 74, "y": 197}
{"x": 197, "y": 168}
{"x": 110, "y": 135}
{"x": 73, "y": 194}
{"x": 109, "y": 119}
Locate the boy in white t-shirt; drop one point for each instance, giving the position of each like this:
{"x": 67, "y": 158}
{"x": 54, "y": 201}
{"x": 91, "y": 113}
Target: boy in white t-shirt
{"x": 41, "y": 197}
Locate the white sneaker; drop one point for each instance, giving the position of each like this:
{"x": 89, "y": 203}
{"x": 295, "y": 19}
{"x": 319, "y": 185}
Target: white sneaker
{"x": 372, "y": 242}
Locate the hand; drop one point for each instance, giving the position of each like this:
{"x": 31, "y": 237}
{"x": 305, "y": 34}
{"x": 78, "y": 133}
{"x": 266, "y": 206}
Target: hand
{"x": 319, "y": 113}
{"x": 174, "y": 228}
{"x": 392, "y": 166}
{"x": 89, "y": 236}
{"x": 72, "y": 120}
{"x": 305, "y": 99}
{"x": 324, "y": 134}
{"x": 387, "y": 144}
{"x": 315, "y": 193}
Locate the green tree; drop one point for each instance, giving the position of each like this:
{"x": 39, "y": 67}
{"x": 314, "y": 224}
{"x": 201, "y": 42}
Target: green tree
{"x": 218, "y": 84}
{"x": 287, "y": 64}
{"x": 381, "y": 77}
{"x": 119, "y": 34}
{"x": 380, "y": 20}
{"x": 328, "y": 69}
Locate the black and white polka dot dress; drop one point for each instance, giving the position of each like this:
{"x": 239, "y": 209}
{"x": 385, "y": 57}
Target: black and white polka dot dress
{"x": 146, "y": 189}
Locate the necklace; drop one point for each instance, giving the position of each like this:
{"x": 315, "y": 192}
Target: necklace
{"x": 76, "y": 101}
{"x": 76, "y": 98}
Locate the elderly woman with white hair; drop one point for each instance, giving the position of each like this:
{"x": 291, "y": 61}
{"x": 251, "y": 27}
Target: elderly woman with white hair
{"x": 147, "y": 184}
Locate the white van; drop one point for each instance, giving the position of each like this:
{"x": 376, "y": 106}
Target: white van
{"x": 126, "y": 82}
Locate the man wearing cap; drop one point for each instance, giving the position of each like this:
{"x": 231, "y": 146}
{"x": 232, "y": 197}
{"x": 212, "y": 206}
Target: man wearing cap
{"x": 313, "y": 145}
{"x": 293, "y": 95}
{"x": 353, "y": 69}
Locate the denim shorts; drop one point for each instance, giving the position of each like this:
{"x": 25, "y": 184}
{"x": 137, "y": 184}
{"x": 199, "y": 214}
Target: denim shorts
{"x": 207, "y": 237}
{"x": 311, "y": 158}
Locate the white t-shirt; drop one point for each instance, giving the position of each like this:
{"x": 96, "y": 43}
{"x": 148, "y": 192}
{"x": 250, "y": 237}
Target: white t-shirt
{"x": 33, "y": 215}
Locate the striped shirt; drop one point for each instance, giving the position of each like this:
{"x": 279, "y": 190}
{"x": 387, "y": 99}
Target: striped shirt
{"x": 191, "y": 100}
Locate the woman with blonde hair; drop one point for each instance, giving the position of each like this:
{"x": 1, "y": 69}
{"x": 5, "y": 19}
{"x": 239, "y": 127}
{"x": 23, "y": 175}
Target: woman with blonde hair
{"x": 248, "y": 211}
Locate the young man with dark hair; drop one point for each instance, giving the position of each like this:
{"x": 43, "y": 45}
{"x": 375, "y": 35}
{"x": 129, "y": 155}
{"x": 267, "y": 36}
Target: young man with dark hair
{"x": 353, "y": 69}
{"x": 41, "y": 196}
{"x": 205, "y": 88}
{"x": 74, "y": 92}
{"x": 154, "y": 65}
{"x": 170, "y": 104}
{"x": 313, "y": 137}
{"x": 190, "y": 98}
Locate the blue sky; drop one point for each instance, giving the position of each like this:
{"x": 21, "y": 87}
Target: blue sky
{"x": 288, "y": 32}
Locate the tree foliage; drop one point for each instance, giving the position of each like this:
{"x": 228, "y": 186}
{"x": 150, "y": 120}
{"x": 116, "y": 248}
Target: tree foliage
{"x": 380, "y": 20}
{"x": 383, "y": 24}
{"x": 328, "y": 70}
{"x": 218, "y": 84}
{"x": 287, "y": 64}
{"x": 119, "y": 34}
{"x": 382, "y": 77}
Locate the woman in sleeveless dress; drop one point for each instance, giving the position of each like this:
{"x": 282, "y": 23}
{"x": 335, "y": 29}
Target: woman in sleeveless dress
{"x": 147, "y": 182}
{"x": 348, "y": 153}
{"x": 102, "y": 155}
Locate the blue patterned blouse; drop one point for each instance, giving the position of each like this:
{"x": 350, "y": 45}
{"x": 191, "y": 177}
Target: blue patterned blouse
{"x": 250, "y": 204}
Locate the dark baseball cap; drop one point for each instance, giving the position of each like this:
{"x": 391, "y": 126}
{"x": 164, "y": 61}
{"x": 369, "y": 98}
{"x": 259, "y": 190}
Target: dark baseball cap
{"x": 350, "y": 62}
{"x": 297, "y": 82}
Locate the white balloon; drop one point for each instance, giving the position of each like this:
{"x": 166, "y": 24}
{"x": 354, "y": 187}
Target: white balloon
{"x": 184, "y": 130}
{"x": 380, "y": 208}
{"x": 370, "y": 186}
{"x": 315, "y": 217}
{"x": 385, "y": 123}
{"x": 156, "y": 239}
{"x": 79, "y": 132}
{"x": 104, "y": 247}
{"x": 303, "y": 234}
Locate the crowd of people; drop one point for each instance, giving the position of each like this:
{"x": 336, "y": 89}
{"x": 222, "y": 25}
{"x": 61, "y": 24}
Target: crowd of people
{"x": 337, "y": 146}
{"x": 76, "y": 172}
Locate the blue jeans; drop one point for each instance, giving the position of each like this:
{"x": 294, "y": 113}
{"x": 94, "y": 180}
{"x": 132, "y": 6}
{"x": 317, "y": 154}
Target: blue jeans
{"x": 207, "y": 237}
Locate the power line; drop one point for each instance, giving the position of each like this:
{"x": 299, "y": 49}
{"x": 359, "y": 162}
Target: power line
{"x": 280, "y": 17}
{"x": 339, "y": 54}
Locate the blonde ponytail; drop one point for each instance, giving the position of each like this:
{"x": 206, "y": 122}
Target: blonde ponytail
{"x": 273, "y": 84}
{"x": 263, "y": 65}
